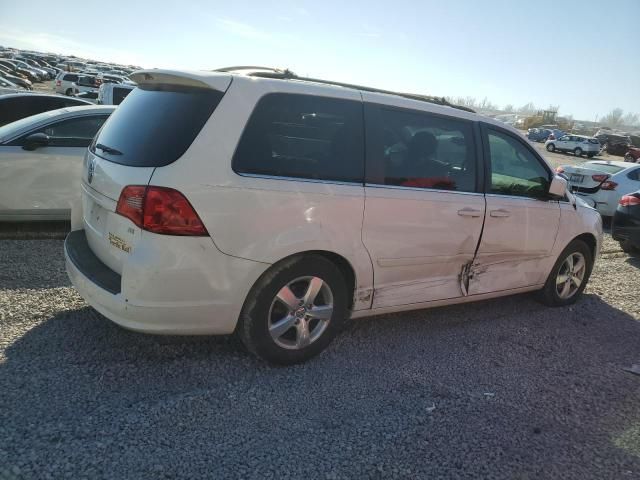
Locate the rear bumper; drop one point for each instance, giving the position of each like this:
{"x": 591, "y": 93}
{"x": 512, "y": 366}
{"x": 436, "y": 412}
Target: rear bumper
{"x": 219, "y": 282}
{"x": 625, "y": 227}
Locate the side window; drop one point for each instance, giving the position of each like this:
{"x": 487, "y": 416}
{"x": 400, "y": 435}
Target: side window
{"x": 514, "y": 169}
{"x": 70, "y": 77}
{"x": 421, "y": 150}
{"x": 75, "y": 132}
{"x": 634, "y": 174}
{"x": 119, "y": 94}
{"x": 303, "y": 136}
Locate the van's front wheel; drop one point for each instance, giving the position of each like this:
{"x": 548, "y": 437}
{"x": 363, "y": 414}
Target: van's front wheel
{"x": 295, "y": 310}
{"x": 569, "y": 275}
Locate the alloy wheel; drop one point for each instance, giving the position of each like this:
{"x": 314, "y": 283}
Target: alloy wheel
{"x": 571, "y": 275}
{"x": 300, "y": 312}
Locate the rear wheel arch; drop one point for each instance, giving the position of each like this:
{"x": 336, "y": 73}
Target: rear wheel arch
{"x": 345, "y": 267}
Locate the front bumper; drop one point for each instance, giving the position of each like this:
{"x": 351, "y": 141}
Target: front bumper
{"x": 222, "y": 282}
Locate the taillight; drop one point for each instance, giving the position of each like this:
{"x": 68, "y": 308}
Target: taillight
{"x": 130, "y": 203}
{"x": 608, "y": 185}
{"x": 599, "y": 178}
{"x": 159, "y": 210}
{"x": 559, "y": 170}
{"x": 629, "y": 200}
{"x": 58, "y": 83}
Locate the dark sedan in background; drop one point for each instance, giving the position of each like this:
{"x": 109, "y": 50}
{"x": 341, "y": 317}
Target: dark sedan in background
{"x": 625, "y": 227}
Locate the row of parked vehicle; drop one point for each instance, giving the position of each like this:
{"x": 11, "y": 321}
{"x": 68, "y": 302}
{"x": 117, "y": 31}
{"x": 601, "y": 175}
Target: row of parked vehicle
{"x": 603, "y": 141}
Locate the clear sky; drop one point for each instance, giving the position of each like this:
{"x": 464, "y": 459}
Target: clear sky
{"x": 581, "y": 55}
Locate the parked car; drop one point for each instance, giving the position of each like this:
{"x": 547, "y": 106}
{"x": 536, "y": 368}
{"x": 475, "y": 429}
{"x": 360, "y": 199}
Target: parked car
{"x": 538, "y": 134}
{"x": 555, "y": 133}
{"x": 17, "y": 70}
{"x": 602, "y": 183}
{"x": 85, "y": 83}
{"x": 21, "y": 105}
{"x": 632, "y": 155}
{"x": 40, "y": 73}
{"x": 255, "y": 219}
{"x": 9, "y": 87}
{"x": 41, "y": 162}
{"x": 577, "y": 144}
{"x": 612, "y": 143}
{"x": 21, "y": 82}
{"x": 65, "y": 81}
{"x": 113, "y": 93}
{"x": 625, "y": 226}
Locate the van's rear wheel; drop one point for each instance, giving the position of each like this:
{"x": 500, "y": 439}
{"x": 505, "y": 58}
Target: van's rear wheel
{"x": 569, "y": 275}
{"x": 294, "y": 310}
{"x": 577, "y": 152}
{"x": 69, "y": 92}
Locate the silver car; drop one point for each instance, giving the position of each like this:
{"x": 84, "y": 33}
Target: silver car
{"x": 577, "y": 144}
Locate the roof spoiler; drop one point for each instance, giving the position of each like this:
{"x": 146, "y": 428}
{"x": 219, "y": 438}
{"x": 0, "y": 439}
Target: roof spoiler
{"x": 218, "y": 82}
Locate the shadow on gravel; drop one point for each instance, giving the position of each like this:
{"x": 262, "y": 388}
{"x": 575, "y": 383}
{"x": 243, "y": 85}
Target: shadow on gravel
{"x": 504, "y": 388}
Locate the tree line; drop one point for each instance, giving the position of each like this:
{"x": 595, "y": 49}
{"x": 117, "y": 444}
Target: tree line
{"x": 615, "y": 118}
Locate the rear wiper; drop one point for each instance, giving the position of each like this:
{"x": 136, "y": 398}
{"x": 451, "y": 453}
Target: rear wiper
{"x": 106, "y": 149}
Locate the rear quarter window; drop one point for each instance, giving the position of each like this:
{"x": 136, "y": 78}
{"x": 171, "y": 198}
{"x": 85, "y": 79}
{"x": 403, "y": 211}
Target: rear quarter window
{"x": 303, "y": 136}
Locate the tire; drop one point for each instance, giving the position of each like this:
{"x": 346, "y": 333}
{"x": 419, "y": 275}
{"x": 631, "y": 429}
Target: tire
{"x": 629, "y": 158}
{"x": 264, "y": 308}
{"x": 628, "y": 247}
{"x": 578, "y": 152}
{"x": 591, "y": 155}
{"x": 551, "y": 147}
{"x": 550, "y": 295}
{"x": 69, "y": 92}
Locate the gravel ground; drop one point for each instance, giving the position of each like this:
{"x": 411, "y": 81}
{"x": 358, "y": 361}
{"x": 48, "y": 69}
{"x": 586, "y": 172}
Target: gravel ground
{"x": 502, "y": 389}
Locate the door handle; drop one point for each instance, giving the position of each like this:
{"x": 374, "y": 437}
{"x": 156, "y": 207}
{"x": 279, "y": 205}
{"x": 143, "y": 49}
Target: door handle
{"x": 500, "y": 213}
{"x": 469, "y": 212}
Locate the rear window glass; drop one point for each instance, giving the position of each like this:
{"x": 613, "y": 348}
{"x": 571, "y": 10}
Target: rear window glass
{"x": 153, "y": 127}
{"x": 71, "y": 77}
{"x": 606, "y": 168}
{"x": 303, "y": 136}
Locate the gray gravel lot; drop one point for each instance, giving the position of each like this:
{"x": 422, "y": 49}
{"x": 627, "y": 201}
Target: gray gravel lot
{"x": 502, "y": 389}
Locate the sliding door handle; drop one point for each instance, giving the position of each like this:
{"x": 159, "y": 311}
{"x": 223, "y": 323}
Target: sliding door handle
{"x": 501, "y": 212}
{"x": 469, "y": 212}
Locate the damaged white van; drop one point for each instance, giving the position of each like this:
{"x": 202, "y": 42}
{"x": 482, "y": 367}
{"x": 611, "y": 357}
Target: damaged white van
{"x": 254, "y": 201}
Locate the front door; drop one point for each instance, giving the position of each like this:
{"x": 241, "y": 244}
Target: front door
{"x": 423, "y": 207}
{"x": 521, "y": 222}
{"x": 45, "y": 180}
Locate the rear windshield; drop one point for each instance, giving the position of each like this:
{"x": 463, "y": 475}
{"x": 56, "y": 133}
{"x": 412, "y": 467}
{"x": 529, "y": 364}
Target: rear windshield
{"x": 605, "y": 167}
{"x": 154, "y": 126}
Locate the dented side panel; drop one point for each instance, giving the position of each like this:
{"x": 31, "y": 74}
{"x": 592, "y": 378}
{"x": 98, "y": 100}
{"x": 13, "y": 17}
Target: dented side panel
{"x": 517, "y": 241}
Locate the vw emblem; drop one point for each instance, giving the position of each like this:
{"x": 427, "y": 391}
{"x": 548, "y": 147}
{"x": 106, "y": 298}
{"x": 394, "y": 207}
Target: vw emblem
{"x": 91, "y": 169}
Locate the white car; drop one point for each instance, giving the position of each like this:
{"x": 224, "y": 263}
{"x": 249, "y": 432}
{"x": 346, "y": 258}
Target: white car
{"x": 64, "y": 82}
{"x": 577, "y": 144}
{"x": 601, "y": 183}
{"x": 85, "y": 84}
{"x": 242, "y": 201}
{"x": 41, "y": 162}
{"x": 113, "y": 93}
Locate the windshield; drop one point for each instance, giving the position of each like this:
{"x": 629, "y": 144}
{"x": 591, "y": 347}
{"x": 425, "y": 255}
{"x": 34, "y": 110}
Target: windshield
{"x": 154, "y": 126}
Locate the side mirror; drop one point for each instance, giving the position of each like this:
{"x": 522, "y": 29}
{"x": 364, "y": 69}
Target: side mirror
{"x": 36, "y": 140}
{"x": 558, "y": 187}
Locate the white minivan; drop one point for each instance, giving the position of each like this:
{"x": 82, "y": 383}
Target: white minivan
{"x": 277, "y": 207}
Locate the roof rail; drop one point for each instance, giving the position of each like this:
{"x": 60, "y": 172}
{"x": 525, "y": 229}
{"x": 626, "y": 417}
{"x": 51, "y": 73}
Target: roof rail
{"x": 289, "y": 75}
